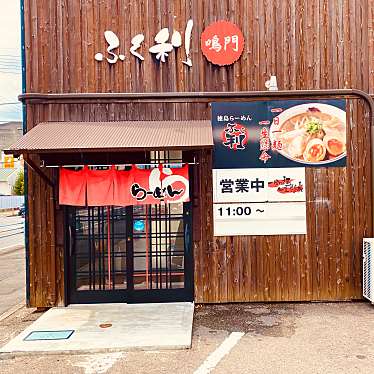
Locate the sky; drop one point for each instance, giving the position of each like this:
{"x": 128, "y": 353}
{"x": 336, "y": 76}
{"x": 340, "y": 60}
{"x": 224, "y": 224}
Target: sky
{"x": 10, "y": 60}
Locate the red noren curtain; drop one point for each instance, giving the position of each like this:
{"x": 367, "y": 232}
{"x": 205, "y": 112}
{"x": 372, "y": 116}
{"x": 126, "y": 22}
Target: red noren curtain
{"x": 73, "y": 186}
{"x": 100, "y": 187}
{"x": 123, "y": 188}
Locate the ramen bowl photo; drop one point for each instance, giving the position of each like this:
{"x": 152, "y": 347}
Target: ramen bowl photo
{"x": 311, "y": 133}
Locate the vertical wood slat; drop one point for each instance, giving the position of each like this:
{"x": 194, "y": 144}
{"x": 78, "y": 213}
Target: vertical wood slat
{"x": 307, "y": 44}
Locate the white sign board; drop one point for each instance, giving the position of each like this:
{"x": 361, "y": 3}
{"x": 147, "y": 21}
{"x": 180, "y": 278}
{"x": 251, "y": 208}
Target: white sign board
{"x": 259, "y": 219}
{"x": 258, "y": 185}
{"x": 269, "y": 201}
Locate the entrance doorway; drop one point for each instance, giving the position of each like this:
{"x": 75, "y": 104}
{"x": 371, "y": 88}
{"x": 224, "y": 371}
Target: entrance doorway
{"x": 131, "y": 254}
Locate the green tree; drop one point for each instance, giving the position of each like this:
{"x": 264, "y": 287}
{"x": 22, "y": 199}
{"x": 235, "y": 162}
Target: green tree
{"x": 18, "y": 188}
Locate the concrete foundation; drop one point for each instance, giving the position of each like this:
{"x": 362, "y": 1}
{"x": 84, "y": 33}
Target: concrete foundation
{"x": 110, "y": 327}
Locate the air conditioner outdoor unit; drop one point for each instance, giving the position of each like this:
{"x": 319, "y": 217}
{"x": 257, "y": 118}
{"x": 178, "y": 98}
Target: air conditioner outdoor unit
{"x": 368, "y": 269}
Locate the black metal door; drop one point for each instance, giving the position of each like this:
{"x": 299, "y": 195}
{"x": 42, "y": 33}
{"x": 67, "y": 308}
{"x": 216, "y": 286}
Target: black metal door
{"x": 133, "y": 254}
{"x": 98, "y": 255}
{"x": 161, "y": 253}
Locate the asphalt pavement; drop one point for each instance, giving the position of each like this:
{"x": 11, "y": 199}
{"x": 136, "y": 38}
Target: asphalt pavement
{"x": 284, "y": 338}
{"x": 11, "y": 232}
{"x": 293, "y": 338}
{"x": 12, "y": 262}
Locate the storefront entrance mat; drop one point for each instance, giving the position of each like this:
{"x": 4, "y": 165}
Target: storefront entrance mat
{"x": 49, "y": 335}
{"x": 107, "y": 328}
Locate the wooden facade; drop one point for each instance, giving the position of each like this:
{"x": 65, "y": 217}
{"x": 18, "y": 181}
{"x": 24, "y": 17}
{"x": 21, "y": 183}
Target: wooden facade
{"x": 307, "y": 44}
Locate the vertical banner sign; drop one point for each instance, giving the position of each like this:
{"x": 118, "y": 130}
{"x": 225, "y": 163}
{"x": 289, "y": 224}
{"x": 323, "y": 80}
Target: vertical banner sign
{"x": 279, "y": 134}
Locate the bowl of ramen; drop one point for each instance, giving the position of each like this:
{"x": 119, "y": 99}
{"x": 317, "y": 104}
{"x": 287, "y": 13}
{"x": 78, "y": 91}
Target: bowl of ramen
{"x": 311, "y": 133}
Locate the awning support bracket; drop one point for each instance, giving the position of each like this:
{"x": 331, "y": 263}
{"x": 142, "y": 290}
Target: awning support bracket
{"x": 38, "y": 170}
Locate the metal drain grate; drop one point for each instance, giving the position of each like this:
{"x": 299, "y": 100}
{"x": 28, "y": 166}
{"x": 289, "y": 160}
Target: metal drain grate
{"x": 49, "y": 335}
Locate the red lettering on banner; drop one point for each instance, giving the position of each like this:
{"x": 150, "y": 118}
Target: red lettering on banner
{"x": 235, "y": 136}
{"x": 160, "y": 185}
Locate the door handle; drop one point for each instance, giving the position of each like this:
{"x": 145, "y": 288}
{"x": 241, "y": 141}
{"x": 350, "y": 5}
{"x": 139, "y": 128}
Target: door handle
{"x": 187, "y": 237}
{"x": 70, "y": 242}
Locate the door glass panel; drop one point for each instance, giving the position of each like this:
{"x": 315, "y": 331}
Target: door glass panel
{"x": 158, "y": 247}
{"x": 158, "y": 244}
{"x": 158, "y": 239}
{"x": 99, "y": 248}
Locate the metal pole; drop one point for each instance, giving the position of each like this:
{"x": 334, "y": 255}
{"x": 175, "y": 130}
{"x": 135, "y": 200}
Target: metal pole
{"x": 154, "y": 165}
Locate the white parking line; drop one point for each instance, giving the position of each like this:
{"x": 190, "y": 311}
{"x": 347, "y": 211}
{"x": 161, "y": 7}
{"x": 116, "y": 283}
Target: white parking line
{"x": 11, "y": 248}
{"x": 215, "y": 357}
{"x": 99, "y": 363}
{"x": 12, "y": 310}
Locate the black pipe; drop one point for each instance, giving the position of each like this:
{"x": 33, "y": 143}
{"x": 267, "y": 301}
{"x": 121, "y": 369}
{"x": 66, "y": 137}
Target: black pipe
{"x": 25, "y": 173}
{"x": 200, "y": 97}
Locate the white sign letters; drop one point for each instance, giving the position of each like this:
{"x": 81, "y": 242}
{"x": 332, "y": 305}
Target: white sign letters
{"x": 161, "y": 49}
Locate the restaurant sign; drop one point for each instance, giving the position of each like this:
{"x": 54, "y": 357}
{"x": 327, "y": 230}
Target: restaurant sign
{"x": 259, "y": 201}
{"x": 258, "y": 185}
{"x": 222, "y": 43}
{"x": 277, "y": 134}
{"x": 259, "y": 219}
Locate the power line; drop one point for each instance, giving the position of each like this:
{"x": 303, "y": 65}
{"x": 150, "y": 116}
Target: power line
{"x": 10, "y": 60}
{"x": 10, "y": 63}
{"x": 13, "y": 108}
{"x": 15, "y": 68}
{"x": 10, "y": 72}
{"x": 5, "y": 98}
{"x": 9, "y": 57}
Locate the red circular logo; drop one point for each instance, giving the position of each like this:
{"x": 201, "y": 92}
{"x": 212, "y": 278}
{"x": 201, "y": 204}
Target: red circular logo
{"x": 222, "y": 43}
{"x": 235, "y": 136}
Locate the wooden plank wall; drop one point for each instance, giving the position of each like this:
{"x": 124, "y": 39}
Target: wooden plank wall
{"x": 306, "y": 43}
